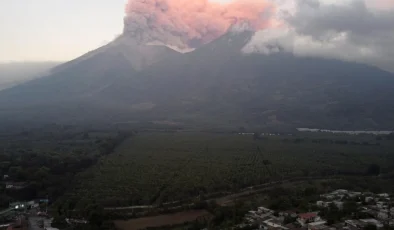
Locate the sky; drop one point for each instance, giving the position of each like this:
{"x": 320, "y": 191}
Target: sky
{"x": 60, "y": 30}
{"x": 56, "y": 30}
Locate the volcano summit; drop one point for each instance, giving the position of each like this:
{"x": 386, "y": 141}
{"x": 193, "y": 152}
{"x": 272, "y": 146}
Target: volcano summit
{"x": 143, "y": 77}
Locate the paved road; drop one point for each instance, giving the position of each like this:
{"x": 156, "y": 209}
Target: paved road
{"x": 33, "y": 225}
{"x": 6, "y": 211}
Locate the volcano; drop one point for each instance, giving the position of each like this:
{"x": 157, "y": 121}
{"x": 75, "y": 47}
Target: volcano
{"x": 216, "y": 85}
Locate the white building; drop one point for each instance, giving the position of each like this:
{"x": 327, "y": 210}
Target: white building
{"x": 305, "y": 218}
{"x": 314, "y": 225}
{"x": 271, "y": 224}
{"x": 369, "y": 199}
{"x": 372, "y": 221}
{"x": 321, "y": 203}
{"x": 384, "y": 215}
{"x": 264, "y": 210}
{"x": 384, "y": 195}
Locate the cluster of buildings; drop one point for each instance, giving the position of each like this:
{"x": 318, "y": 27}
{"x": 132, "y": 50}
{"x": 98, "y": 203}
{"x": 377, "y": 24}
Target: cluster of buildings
{"x": 16, "y": 185}
{"x": 16, "y": 215}
{"x": 376, "y": 208}
{"x": 264, "y": 218}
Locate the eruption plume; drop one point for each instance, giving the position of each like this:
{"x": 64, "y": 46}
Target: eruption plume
{"x": 191, "y": 23}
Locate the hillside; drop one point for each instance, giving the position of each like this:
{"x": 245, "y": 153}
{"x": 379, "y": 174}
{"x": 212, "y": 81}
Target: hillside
{"x": 14, "y": 73}
{"x": 214, "y": 86}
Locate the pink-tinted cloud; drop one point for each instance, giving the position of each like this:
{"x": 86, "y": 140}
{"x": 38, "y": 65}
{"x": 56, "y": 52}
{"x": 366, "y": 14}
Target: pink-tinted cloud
{"x": 381, "y": 4}
{"x": 193, "y": 22}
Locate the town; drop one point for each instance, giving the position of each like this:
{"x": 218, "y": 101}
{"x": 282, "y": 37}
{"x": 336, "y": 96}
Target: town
{"x": 26, "y": 215}
{"x": 340, "y": 209}
{"x": 32, "y": 215}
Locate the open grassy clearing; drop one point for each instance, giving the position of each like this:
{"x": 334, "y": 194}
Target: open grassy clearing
{"x": 153, "y": 168}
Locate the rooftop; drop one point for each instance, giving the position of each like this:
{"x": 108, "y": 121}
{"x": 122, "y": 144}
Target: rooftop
{"x": 307, "y": 215}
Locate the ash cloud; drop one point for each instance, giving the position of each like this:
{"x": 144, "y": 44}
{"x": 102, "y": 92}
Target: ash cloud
{"x": 354, "y": 30}
{"x": 189, "y": 24}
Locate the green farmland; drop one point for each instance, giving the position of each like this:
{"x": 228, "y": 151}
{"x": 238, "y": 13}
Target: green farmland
{"x": 152, "y": 169}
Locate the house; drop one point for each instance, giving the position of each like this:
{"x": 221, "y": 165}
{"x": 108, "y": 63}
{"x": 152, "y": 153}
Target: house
{"x": 76, "y": 221}
{"x": 288, "y": 214}
{"x": 337, "y": 226}
{"x": 380, "y": 204}
{"x": 4, "y": 226}
{"x": 373, "y": 207}
{"x": 369, "y": 199}
{"x": 291, "y": 226}
{"x": 16, "y": 185}
{"x": 338, "y": 204}
{"x": 354, "y": 194}
{"x": 273, "y": 224}
{"x": 305, "y": 218}
{"x": 340, "y": 192}
{"x": 383, "y": 215}
{"x": 252, "y": 213}
{"x": 372, "y": 212}
{"x": 328, "y": 196}
{"x": 372, "y": 221}
{"x": 384, "y": 195}
{"x": 321, "y": 204}
{"x": 355, "y": 224}
{"x": 320, "y": 225}
{"x": 264, "y": 210}
{"x": 18, "y": 205}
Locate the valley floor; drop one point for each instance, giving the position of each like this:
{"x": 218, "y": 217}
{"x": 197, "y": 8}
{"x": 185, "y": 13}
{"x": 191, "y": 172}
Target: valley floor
{"x": 168, "y": 178}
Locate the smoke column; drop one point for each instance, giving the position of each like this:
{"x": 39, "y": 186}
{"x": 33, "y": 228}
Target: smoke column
{"x": 191, "y": 23}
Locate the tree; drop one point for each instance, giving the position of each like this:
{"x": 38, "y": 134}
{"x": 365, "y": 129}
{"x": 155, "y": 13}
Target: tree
{"x": 288, "y": 219}
{"x": 95, "y": 214}
{"x": 17, "y": 173}
{"x": 390, "y": 136}
{"x": 373, "y": 170}
{"x": 309, "y": 191}
{"x": 350, "y": 207}
{"x": 370, "y": 227}
{"x": 59, "y": 222}
{"x": 43, "y": 172}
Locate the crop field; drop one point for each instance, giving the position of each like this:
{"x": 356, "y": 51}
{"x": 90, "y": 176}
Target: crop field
{"x": 155, "y": 168}
{"x": 161, "y": 220}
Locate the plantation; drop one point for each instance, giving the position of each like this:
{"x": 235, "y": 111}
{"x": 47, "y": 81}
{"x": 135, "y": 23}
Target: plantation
{"x": 46, "y": 160}
{"x": 155, "y": 168}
